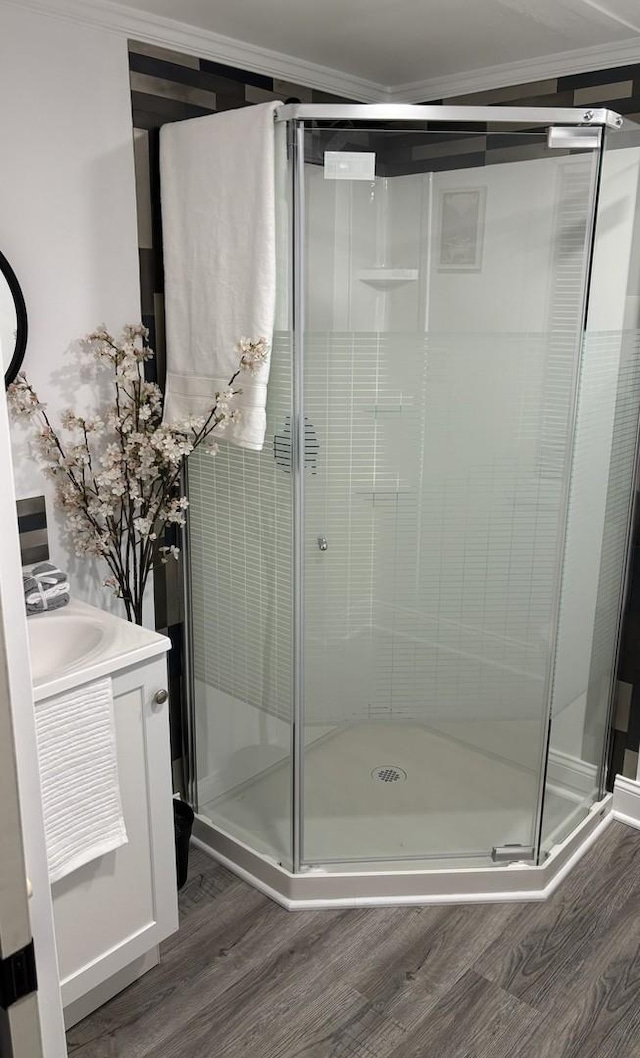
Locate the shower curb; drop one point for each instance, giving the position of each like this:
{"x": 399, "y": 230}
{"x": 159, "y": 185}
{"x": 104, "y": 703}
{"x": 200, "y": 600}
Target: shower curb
{"x": 319, "y": 889}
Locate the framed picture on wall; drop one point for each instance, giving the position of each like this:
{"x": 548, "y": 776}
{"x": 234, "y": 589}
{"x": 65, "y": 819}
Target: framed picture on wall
{"x": 461, "y": 227}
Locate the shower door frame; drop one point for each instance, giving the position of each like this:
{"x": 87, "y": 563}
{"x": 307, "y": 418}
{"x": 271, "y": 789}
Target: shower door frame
{"x": 296, "y": 116}
{"x": 451, "y": 114}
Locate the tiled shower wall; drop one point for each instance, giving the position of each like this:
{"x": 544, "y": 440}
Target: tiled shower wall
{"x": 167, "y": 86}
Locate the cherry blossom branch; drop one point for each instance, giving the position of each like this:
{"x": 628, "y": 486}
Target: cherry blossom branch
{"x": 118, "y": 501}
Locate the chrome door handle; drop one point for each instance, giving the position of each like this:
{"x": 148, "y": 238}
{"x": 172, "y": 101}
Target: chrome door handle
{"x": 323, "y": 543}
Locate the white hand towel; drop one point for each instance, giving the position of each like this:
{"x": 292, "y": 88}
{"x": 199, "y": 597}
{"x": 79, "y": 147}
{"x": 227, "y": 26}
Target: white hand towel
{"x": 219, "y": 235}
{"x": 79, "y": 777}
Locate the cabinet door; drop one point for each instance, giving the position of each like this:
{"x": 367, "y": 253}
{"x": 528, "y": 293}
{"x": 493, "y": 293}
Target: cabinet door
{"x": 120, "y": 906}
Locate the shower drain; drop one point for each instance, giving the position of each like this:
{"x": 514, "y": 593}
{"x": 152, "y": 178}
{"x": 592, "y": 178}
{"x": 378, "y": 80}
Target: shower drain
{"x": 389, "y": 773}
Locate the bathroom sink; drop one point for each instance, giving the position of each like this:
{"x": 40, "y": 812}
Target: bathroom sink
{"x": 59, "y": 642}
{"x": 79, "y": 643}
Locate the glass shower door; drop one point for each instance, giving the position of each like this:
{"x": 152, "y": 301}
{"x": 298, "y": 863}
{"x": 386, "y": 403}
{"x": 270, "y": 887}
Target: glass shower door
{"x": 444, "y": 294}
{"x": 601, "y": 494}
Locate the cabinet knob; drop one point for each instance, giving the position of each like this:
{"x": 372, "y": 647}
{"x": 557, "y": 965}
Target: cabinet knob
{"x": 160, "y": 697}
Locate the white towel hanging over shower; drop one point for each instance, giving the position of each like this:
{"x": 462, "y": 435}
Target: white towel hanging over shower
{"x": 219, "y": 234}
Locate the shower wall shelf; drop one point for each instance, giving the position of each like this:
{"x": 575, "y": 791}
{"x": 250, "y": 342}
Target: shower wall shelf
{"x": 387, "y": 278}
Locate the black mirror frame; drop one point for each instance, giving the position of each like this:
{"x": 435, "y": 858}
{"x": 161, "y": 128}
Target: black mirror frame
{"x": 21, "y": 321}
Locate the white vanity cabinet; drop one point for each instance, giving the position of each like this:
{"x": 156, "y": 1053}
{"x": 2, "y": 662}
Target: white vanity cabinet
{"x": 111, "y": 914}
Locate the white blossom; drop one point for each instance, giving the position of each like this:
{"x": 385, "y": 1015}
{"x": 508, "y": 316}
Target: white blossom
{"x": 143, "y": 525}
{"x": 117, "y": 473}
{"x": 22, "y": 398}
{"x": 253, "y": 353}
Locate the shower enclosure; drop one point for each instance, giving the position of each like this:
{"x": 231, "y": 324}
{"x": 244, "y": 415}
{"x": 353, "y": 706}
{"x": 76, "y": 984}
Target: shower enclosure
{"x": 403, "y": 612}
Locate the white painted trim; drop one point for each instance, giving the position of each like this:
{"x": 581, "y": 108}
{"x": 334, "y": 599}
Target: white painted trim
{"x": 106, "y": 965}
{"x": 508, "y": 74}
{"x": 513, "y": 882}
{"x": 626, "y": 801}
{"x": 178, "y": 36}
{"x": 591, "y": 835}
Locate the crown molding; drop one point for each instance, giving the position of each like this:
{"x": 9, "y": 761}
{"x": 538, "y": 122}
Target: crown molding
{"x": 178, "y": 36}
{"x": 562, "y": 64}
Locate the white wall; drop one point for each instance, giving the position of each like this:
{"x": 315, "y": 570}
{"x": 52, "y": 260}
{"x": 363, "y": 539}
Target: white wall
{"x": 67, "y": 216}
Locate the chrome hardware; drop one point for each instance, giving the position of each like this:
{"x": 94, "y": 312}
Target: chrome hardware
{"x": 407, "y": 112}
{"x": 160, "y": 697}
{"x": 570, "y": 137}
{"x": 512, "y": 853}
{"x": 323, "y": 543}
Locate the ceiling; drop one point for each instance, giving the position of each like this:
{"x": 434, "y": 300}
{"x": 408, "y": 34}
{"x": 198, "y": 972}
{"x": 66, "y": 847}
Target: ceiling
{"x": 396, "y": 42}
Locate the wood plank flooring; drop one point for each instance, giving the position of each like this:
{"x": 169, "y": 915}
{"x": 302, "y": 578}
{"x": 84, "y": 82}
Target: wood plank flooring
{"x": 243, "y": 977}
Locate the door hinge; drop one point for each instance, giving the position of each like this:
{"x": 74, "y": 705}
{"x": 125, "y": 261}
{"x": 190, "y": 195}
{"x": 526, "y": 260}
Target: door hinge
{"x": 511, "y": 853}
{"x": 17, "y": 976}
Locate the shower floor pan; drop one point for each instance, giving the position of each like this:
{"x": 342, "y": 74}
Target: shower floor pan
{"x": 400, "y": 813}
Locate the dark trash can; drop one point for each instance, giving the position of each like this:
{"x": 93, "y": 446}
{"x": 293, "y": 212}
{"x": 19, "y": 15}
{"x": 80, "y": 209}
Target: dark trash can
{"x": 182, "y": 824}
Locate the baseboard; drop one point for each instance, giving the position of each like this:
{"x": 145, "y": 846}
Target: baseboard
{"x": 626, "y": 801}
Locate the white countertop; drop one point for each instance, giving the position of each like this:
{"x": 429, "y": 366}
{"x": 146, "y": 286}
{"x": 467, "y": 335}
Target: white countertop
{"x": 78, "y": 643}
